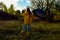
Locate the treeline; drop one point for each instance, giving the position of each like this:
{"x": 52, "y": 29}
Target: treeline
{"x": 9, "y": 13}
{"x": 7, "y": 16}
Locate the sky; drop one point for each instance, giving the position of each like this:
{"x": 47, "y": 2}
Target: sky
{"x": 18, "y": 4}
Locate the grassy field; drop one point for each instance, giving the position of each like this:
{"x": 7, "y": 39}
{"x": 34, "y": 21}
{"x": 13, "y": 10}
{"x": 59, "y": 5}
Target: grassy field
{"x": 42, "y": 30}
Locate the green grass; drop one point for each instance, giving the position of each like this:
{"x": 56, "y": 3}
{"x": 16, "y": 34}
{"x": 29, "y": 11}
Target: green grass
{"x": 9, "y": 30}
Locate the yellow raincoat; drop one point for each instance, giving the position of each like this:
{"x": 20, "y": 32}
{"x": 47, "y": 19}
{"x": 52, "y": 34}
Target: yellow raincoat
{"x": 27, "y": 18}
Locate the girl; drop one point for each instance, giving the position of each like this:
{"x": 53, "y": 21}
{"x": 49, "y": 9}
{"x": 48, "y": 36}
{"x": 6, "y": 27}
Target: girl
{"x": 28, "y": 17}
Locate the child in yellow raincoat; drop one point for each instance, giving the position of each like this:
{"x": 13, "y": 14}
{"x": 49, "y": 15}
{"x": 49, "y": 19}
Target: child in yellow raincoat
{"x": 28, "y": 18}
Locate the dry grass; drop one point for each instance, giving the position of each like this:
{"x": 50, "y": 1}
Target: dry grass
{"x": 9, "y": 25}
{"x": 44, "y": 25}
{"x": 39, "y": 31}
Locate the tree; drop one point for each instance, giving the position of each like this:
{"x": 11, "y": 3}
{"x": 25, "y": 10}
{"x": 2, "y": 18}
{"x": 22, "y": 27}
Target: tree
{"x": 17, "y": 12}
{"x": 11, "y": 9}
{"x": 37, "y": 4}
{"x": 58, "y": 6}
{"x": 47, "y": 4}
{"x": 3, "y": 7}
{"x": 23, "y": 11}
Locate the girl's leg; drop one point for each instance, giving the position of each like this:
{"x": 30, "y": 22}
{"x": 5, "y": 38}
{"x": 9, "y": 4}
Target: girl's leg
{"x": 23, "y": 28}
{"x": 28, "y": 28}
